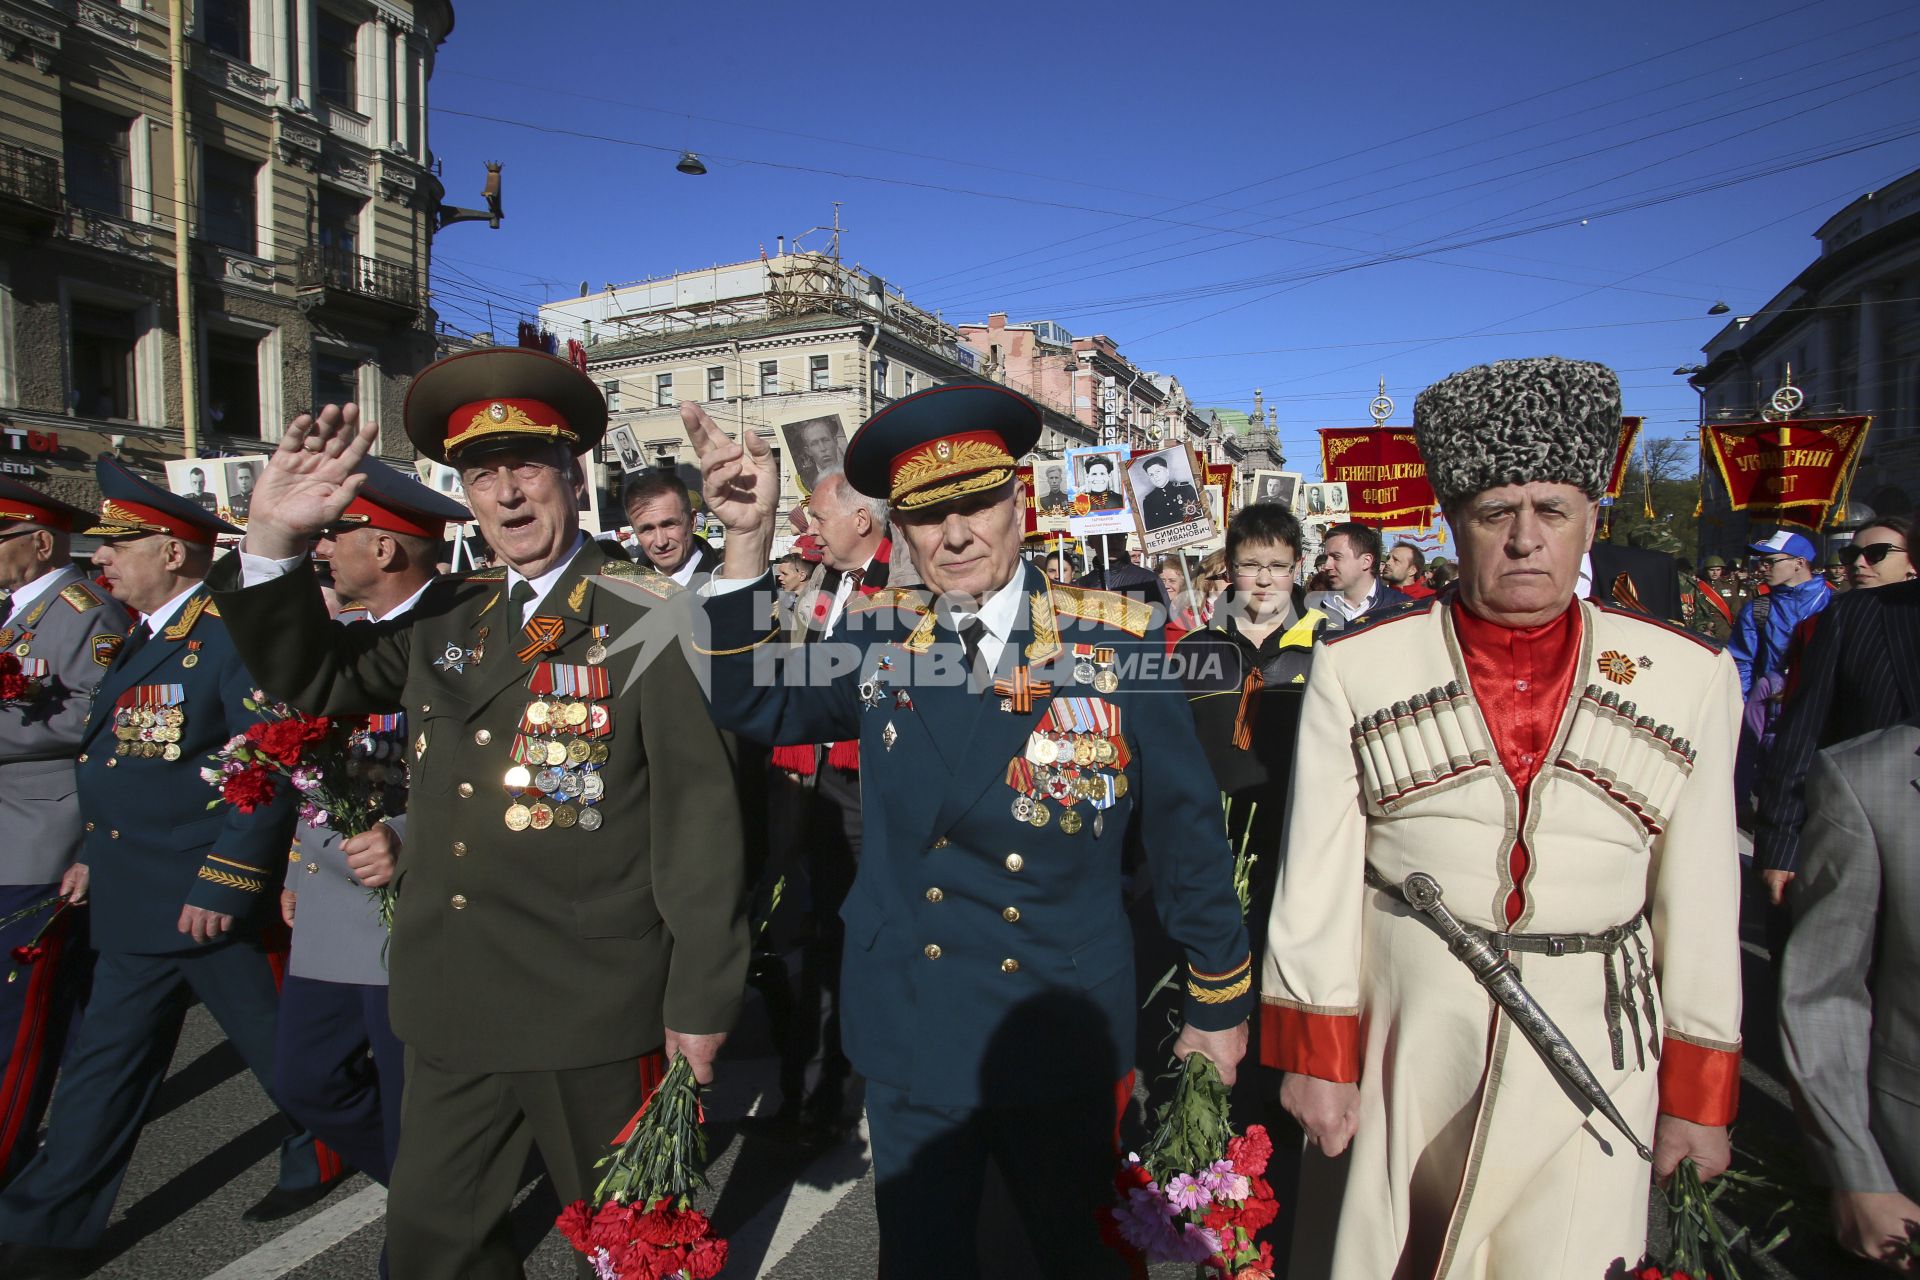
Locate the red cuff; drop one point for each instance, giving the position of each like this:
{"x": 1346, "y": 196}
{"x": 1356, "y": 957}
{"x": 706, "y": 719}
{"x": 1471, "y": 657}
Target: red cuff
{"x": 1325, "y": 1045}
{"x": 1697, "y": 1083}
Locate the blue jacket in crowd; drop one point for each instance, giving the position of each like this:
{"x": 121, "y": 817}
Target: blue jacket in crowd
{"x": 1756, "y": 655}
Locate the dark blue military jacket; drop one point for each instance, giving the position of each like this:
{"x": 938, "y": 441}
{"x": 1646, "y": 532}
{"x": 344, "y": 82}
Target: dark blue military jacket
{"x": 988, "y": 956}
{"x": 152, "y": 843}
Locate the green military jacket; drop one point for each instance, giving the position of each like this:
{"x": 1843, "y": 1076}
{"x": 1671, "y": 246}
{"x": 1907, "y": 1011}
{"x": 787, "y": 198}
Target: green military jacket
{"x": 529, "y": 935}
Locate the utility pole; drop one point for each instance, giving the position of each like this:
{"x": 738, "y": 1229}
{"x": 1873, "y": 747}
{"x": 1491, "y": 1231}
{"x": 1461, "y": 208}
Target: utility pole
{"x": 182, "y": 264}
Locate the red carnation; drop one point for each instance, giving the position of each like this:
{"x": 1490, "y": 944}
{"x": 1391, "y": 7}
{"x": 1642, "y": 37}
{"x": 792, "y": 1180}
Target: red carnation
{"x": 707, "y": 1258}
{"x": 689, "y": 1225}
{"x": 1220, "y": 1218}
{"x": 29, "y": 953}
{"x": 1258, "y": 1212}
{"x": 1130, "y": 1177}
{"x": 1250, "y": 1151}
{"x": 573, "y": 1223}
{"x": 657, "y": 1228}
{"x": 248, "y": 789}
{"x": 611, "y": 1230}
{"x": 281, "y": 741}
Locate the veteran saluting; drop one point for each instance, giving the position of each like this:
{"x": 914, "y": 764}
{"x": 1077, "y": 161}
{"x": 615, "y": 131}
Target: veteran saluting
{"x": 570, "y": 896}
{"x": 1005, "y": 728}
{"x": 1554, "y": 777}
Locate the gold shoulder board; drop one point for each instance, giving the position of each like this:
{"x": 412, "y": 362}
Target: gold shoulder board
{"x": 889, "y": 598}
{"x": 497, "y": 573}
{"x": 1109, "y": 607}
{"x": 80, "y": 596}
{"x": 647, "y": 579}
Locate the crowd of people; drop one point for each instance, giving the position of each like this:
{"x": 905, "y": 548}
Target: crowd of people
{"x": 904, "y": 781}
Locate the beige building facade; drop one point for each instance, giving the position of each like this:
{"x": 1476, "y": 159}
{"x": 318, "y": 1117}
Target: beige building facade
{"x": 312, "y": 203}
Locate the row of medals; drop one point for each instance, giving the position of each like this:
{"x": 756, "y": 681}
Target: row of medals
{"x": 152, "y": 732}
{"x": 570, "y": 783}
{"x": 1074, "y": 763}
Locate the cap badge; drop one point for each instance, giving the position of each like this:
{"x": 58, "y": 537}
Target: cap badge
{"x": 944, "y": 449}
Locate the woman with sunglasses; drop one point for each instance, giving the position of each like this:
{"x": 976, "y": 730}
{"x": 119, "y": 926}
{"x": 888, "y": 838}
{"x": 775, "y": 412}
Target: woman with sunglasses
{"x": 1878, "y": 555}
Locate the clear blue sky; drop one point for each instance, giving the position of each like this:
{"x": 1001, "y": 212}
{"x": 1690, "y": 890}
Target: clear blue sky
{"x": 1371, "y": 164}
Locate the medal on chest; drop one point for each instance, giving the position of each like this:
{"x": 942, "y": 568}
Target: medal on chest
{"x": 559, "y": 749}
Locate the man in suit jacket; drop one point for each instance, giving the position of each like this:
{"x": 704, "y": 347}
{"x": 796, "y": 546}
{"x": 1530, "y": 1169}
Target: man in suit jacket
{"x": 179, "y": 893}
{"x": 988, "y": 974}
{"x": 1633, "y": 578}
{"x": 572, "y": 895}
{"x": 660, "y": 510}
{"x": 1850, "y": 987}
{"x": 63, "y": 631}
{"x": 338, "y": 1067}
{"x": 1861, "y": 672}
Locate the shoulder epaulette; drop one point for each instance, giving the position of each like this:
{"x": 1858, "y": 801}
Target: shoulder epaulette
{"x": 1372, "y": 627}
{"x": 82, "y": 596}
{"x": 189, "y": 615}
{"x": 1110, "y": 607}
{"x": 213, "y": 607}
{"x": 493, "y": 573}
{"x": 1661, "y": 623}
{"x": 889, "y": 598}
{"x": 647, "y": 578}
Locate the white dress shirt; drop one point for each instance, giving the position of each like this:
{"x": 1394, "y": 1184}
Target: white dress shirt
{"x": 166, "y": 613}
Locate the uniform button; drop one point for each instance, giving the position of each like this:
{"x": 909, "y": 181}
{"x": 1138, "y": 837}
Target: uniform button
{"x": 1009, "y": 965}
{"x": 481, "y": 737}
{"x": 1011, "y": 915}
{"x": 466, "y": 790}
{"x": 459, "y": 848}
{"x": 113, "y": 762}
{"x": 313, "y": 868}
{"x": 89, "y": 826}
{"x": 935, "y": 894}
{"x": 1523, "y": 685}
{"x": 1526, "y": 757}
{"x": 459, "y": 902}
{"x": 113, "y": 835}
{"x": 1015, "y": 862}
{"x": 425, "y": 707}
{"x": 83, "y": 758}
{"x": 933, "y": 951}
{"x": 941, "y": 843}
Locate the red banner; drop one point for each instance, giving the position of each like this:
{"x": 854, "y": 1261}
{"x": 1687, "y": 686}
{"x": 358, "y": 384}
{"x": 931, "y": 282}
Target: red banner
{"x": 1629, "y": 437}
{"x": 1386, "y": 477}
{"x": 1789, "y": 472}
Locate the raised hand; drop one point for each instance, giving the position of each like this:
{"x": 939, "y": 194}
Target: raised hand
{"x": 741, "y": 485}
{"x": 309, "y": 480}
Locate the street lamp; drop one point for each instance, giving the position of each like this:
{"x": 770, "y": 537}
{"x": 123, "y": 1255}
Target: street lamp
{"x": 691, "y": 165}
{"x": 1718, "y": 309}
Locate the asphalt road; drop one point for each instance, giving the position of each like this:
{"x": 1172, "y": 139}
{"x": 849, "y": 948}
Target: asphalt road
{"x": 208, "y": 1152}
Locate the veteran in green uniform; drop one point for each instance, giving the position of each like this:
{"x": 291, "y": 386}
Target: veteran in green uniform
{"x": 571, "y": 894}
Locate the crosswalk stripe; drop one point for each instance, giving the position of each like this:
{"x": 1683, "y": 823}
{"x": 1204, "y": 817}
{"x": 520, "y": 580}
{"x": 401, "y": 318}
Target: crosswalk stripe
{"x": 302, "y": 1244}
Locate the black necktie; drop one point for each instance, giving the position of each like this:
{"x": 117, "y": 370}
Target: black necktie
{"x": 971, "y": 632}
{"x": 136, "y": 641}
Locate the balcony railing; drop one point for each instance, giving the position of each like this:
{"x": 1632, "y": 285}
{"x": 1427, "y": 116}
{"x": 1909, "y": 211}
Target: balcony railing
{"x": 356, "y": 274}
{"x": 29, "y": 177}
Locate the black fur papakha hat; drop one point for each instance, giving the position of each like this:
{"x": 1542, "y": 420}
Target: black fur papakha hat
{"x": 1515, "y": 421}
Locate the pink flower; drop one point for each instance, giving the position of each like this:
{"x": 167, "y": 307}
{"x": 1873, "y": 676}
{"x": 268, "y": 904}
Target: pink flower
{"x": 1196, "y": 1244}
{"x": 1186, "y": 1193}
{"x": 1144, "y": 1223}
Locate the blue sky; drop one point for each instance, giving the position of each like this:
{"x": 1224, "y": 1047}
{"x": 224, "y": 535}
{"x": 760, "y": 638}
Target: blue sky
{"x": 1303, "y": 199}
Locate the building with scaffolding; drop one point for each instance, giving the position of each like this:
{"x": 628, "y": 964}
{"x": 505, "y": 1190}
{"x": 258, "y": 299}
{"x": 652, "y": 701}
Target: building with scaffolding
{"x": 763, "y": 345}
{"x": 1087, "y": 380}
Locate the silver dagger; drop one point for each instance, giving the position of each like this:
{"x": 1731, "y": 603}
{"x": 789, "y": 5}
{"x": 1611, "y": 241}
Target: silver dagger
{"x": 1493, "y": 971}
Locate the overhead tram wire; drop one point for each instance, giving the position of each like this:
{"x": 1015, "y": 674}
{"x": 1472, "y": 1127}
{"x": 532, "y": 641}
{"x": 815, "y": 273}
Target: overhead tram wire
{"x": 1444, "y": 125}
{"x": 1408, "y": 193}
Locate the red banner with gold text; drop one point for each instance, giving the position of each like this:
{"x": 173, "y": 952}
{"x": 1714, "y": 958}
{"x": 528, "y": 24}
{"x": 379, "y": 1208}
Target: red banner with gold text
{"x": 1386, "y": 477}
{"x": 1789, "y": 472}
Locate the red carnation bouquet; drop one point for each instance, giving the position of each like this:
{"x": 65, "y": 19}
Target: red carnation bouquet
{"x": 640, "y": 1223}
{"x": 1199, "y": 1195}
{"x": 321, "y": 757}
{"x": 15, "y": 685}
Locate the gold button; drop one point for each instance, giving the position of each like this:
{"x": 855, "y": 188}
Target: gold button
{"x": 83, "y": 758}
{"x": 459, "y": 848}
{"x": 933, "y": 951}
{"x": 481, "y": 737}
{"x": 1011, "y": 915}
{"x": 425, "y": 707}
{"x": 935, "y": 894}
{"x": 459, "y": 902}
{"x": 941, "y": 843}
{"x": 1009, "y": 965}
{"x": 1015, "y": 862}
{"x": 113, "y": 762}
{"x": 89, "y": 826}
{"x": 113, "y": 835}
{"x": 466, "y": 790}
